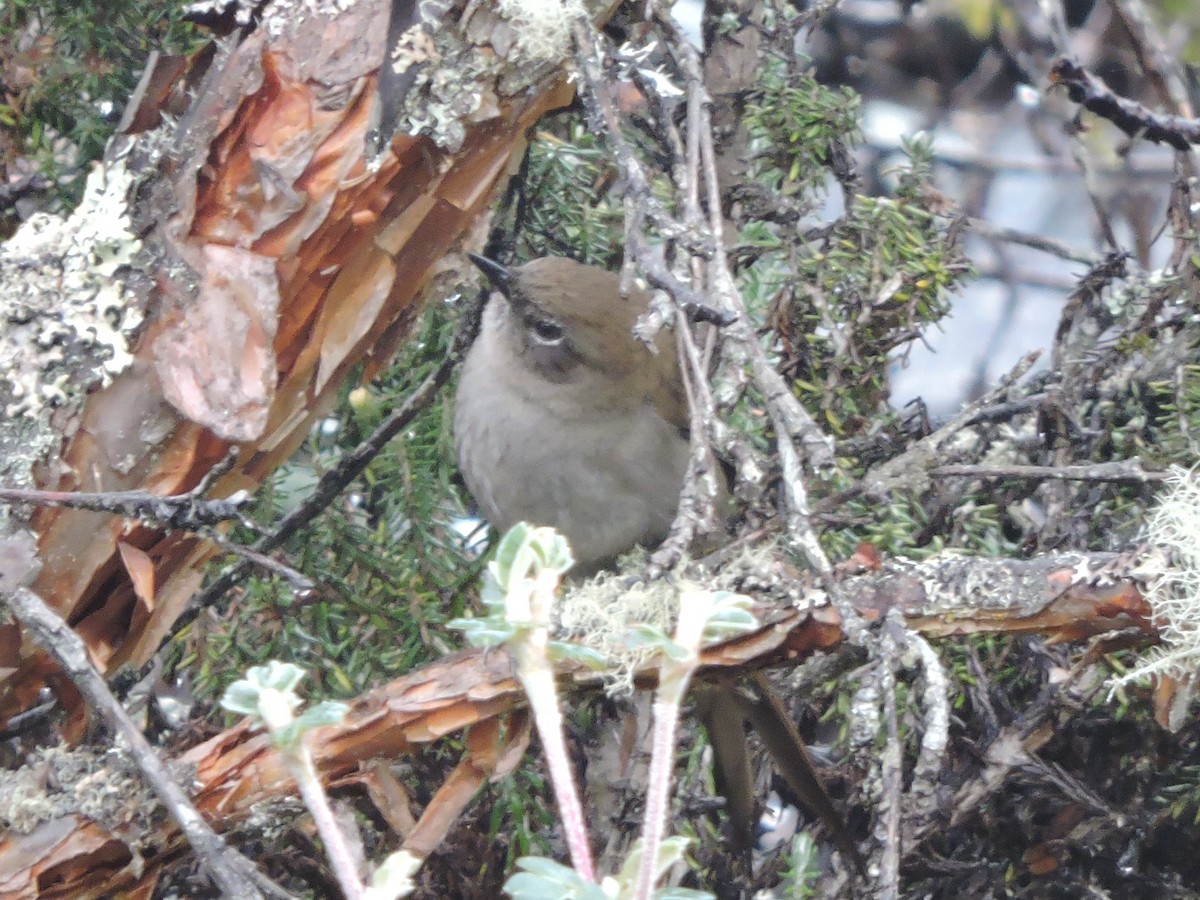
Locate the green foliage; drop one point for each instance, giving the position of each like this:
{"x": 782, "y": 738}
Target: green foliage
{"x": 523, "y": 811}
{"x": 68, "y": 66}
{"x": 864, "y": 288}
{"x": 563, "y": 212}
{"x": 390, "y": 565}
{"x": 846, "y": 295}
{"x": 1178, "y": 419}
{"x": 1183, "y": 798}
{"x": 800, "y": 129}
{"x": 917, "y": 526}
{"x": 800, "y": 878}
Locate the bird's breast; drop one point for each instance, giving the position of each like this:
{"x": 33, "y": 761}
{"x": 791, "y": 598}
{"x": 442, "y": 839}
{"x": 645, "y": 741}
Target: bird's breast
{"x": 606, "y": 475}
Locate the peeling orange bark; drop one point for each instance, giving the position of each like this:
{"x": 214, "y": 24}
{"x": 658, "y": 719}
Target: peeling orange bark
{"x": 278, "y": 258}
{"x": 477, "y": 691}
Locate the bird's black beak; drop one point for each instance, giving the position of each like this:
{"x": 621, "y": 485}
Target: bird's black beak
{"x": 497, "y": 274}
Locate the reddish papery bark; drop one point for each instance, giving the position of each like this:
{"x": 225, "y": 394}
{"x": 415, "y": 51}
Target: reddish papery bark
{"x": 277, "y": 258}
{"x": 1063, "y": 597}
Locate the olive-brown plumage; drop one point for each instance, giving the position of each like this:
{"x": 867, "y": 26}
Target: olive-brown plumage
{"x": 564, "y": 418}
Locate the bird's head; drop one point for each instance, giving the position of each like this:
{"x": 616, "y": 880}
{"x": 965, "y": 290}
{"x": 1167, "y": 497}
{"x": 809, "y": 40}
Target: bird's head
{"x": 565, "y": 316}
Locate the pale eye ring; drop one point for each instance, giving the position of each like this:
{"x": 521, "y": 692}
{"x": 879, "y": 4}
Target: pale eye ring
{"x": 547, "y": 332}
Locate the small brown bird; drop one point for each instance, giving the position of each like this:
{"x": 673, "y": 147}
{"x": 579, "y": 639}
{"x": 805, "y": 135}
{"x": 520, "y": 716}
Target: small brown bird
{"x": 564, "y": 418}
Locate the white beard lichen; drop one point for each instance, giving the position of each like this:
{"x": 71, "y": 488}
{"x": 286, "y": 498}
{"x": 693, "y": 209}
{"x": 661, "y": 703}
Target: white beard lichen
{"x": 542, "y": 28}
{"x": 1173, "y": 582}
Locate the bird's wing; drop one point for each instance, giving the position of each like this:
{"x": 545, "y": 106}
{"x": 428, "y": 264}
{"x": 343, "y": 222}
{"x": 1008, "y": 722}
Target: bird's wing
{"x": 781, "y": 738}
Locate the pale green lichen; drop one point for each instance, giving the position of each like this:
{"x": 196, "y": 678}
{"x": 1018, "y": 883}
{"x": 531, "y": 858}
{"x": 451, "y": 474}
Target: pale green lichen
{"x": 601, "y": 614}
{"x": 68, "y": 320}
{"x": 453, "y": 86}
{"x": 455, "y": 83}
{"x": 607, "y": 612}
{"x": 58, "y": 782}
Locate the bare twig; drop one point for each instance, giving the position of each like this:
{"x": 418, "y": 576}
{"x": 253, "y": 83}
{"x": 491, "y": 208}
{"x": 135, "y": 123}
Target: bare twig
{"x": 1163, "y": 67}
{"x": 1124, "y": 470}
{"x": 912, "y": 468}
{"x": 641, "y": 206}
{"x": 1152, "y": 169}
{"x": 190, "y": 511}
{"x": 1034, "y": 241}
{"x": 1001, "y": 412}
{"x": 229, "y": 870}
{"x": 297, "y": 579}
{"x": 790, "y": 418}
{"x": 697, "y": 500}
{"x": 696, "y": 506}
{"x": 924, "y": 799}
{"x": 887, "y": 825}
{"x": 1090, "y": 92}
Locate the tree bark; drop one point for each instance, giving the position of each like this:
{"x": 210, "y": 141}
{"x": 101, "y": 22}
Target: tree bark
{"x": 239, "y": 255}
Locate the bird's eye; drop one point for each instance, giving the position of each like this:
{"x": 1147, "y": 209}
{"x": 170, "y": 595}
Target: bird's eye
{"x": 548, "y": 332}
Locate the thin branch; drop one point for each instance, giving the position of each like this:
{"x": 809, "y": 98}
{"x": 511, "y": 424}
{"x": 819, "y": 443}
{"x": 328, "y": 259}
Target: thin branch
{"x": 790, "y": 418}
{"x": 1002, "y": 412}
{"x": 891, "y": 768}
{"x": 696, "y": 510}
{"x": 230, "y": 871}
{"x": 1151, "y": 169}
{"x": 250, "y": 557}
{"x": 1035, "y": 241}
{"x": 1150, "y": 47}
{"x": 913, "y": 468}
{"x": 641, "y": 205}
{"x": 333, "y": 482}
{"x": 190, "y": 511}
{"x": 1125, "y": 470}
{"x": 1090, "y": 92}
{"x": 924, "y": 793}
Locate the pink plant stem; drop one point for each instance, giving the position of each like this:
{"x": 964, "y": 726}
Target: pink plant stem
{"x": 539, "y": 685}
{"x": 672, "y": 687}
{"x": 344, "y": 868}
